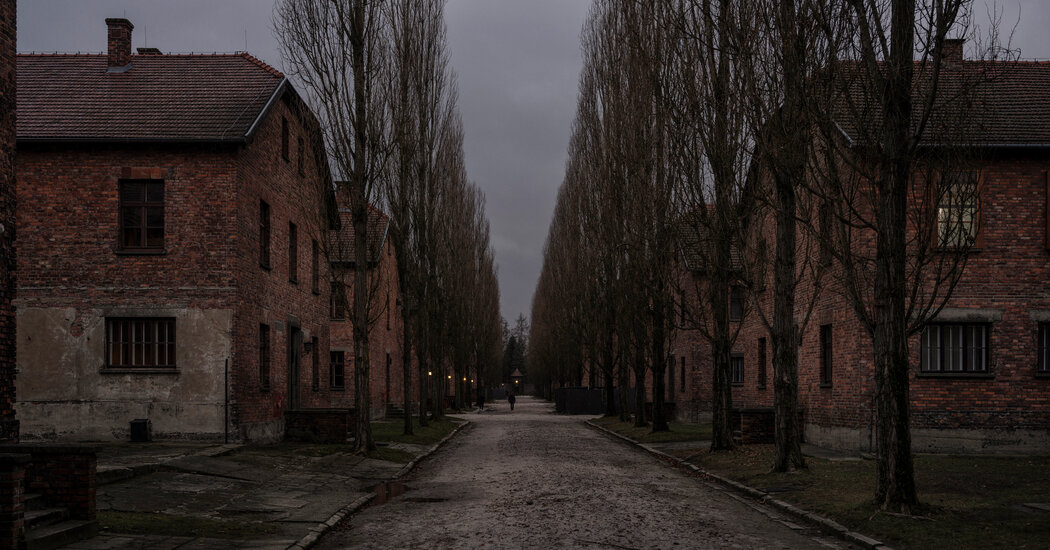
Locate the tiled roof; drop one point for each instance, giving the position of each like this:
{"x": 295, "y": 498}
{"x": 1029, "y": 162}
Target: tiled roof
{"x": 342, "y": 241}
{"x": 695, "y": 245}
{"x": 1011, "y": 104}
{"x": 72, "y": 97}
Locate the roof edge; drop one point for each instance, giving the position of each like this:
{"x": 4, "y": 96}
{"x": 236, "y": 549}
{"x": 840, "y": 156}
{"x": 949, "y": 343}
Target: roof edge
{"x": 158, "y": 140}
{"x": 277, "y": 92}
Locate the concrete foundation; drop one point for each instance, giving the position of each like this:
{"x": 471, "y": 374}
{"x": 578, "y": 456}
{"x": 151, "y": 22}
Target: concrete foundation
{"x": 66, "y": 392}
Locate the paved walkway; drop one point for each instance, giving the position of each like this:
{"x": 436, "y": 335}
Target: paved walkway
{"x": 279, "y": 492}
{"x": 532, "y": 479}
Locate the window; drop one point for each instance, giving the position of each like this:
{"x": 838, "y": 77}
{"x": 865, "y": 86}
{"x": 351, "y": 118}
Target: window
{"x": 315, "y": 375}
{"x": 337, "y": 310}
{"x": 284, "y": 139}
{"x": 293, "y": 253}
{"x": 682, "y": 310}
{"x": 140, "y": 343}
{"x": 337, "y": 370}
{"x": 264, "y": 356}
{"x": 736, "y": 304}
{"x": 1043, "y": 349}
{"x": 300, "y": 159}
{"x": 957, "y": 210}
{"x": 315, "y": 270}
{"x": 825, "y": 355}
{"x": 761, "y": 363}
{"x": 141, "y": 215}
{"x": 388, "y": 311}
{"x": 682, "y": 385}
{"x": 264, "y": 234}
{"x": 736, "y": 364}
{"x": 954, "y": 348}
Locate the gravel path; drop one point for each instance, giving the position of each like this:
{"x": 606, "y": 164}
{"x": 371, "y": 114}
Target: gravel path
{"x": 533, "y": 479}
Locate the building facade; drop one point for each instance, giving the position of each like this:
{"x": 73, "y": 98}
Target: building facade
{"x": 980, "y": 375}
{"x": 8, "y": 282}
{"x": 386, "y": 332}
{"x": 169, "y": 245}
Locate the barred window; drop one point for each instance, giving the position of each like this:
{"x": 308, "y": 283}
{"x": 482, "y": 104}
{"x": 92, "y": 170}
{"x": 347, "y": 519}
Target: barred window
{"x": 954, "y": 348}
{"x": 140, "y": 343}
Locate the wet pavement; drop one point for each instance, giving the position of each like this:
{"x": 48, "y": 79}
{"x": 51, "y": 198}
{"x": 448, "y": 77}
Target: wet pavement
{"x": 281, "y": 492}
{"x": 533, "y": 479}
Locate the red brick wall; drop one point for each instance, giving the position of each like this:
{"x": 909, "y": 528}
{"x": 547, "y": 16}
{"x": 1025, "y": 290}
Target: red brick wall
{"x": 8, "y": 423}
{"x": 385, "y": 339}
{"x": 1008, "y": 274}
{"x": 267, "y": 295}
{"x": 69, "y": 234}
{"x": 69, "y": 224}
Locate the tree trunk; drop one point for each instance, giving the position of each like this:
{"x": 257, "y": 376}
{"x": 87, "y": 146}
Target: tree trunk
{"x": 610, "y": 395}
{"x": 895, "y": 476}
{"x": 789, "y": 172}
{"x": 625, "y": 384}
{"x": 406, "y": 364}
{"x": 659, "y": 363}
{"x": 639, "y": 390}
{"x": 784, "y": 336}
{"x": 359, "y": 219}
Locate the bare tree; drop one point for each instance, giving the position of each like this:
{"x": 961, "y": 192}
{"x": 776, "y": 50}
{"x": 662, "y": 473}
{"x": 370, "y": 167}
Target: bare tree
{"x": 337, "y": 50}
{"x": 421, "y": 102}
{"x": 712, "y": 146}
{"x": 897, "y": 145}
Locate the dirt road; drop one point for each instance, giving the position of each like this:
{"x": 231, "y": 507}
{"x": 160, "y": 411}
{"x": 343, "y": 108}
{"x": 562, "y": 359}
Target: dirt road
{"x": 533, "y": 479}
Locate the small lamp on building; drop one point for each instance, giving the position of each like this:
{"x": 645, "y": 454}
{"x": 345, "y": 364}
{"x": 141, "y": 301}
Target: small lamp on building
{"x": 429, "y": 373}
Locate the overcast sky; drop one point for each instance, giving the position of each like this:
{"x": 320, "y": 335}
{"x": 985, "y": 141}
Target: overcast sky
{"x": 517, "y": 62}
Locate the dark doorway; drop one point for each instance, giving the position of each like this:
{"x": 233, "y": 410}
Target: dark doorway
{"x": 295, "y": 346}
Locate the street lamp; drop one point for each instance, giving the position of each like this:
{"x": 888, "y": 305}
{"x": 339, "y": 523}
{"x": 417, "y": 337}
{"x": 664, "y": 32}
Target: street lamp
{"x": 429, "y": 373}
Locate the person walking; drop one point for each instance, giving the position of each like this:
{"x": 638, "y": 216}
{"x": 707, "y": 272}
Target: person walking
{"x": 511, "y": 400}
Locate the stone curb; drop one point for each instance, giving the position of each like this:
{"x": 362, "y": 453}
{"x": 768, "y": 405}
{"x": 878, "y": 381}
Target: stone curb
{"x": 317, "y": 531}
{"x": 415, "y": 461}
{"x": 821, "y": 522}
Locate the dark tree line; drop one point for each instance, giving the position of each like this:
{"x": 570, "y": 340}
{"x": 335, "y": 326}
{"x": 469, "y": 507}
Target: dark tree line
{"x": 803, "y": 143}
{"x": 376, "y": 73}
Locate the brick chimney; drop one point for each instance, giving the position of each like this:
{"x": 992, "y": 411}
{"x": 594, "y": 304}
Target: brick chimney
{"x": 119, "y": 43}
{"x": 953, "y": 50}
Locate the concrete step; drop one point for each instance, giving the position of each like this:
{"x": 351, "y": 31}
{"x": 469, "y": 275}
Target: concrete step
{"x": 46, "y": 516}
{"x": 50, "y": 537}
{"x": 34, "y": 501}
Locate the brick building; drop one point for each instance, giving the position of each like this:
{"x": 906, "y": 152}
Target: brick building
{"x": 386, "y": 368}
{"x": 980, "y": 377}
{"x": 173, "y": 206}
{"x": 8, "y": 422}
